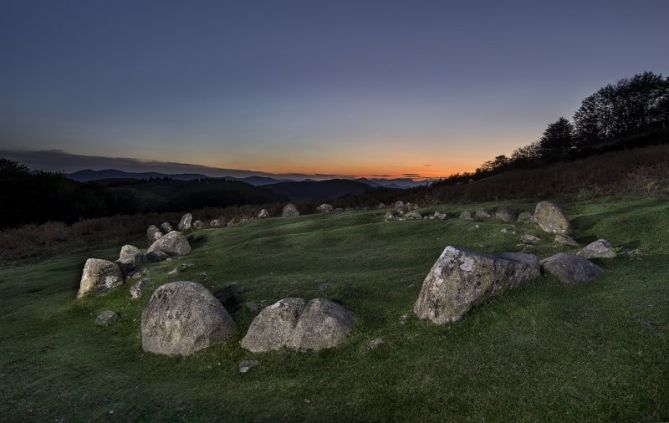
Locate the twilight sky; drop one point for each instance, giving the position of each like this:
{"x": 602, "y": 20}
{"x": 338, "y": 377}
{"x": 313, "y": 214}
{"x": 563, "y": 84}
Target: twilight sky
{"x": 334, "y": 87}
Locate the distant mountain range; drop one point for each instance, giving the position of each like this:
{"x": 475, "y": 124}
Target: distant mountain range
{"x": 287, "y": 185}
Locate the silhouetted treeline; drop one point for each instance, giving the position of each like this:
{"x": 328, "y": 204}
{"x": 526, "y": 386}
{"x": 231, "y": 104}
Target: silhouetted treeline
{"x": 633, "y": 112}
{"x": 27, "y": 197}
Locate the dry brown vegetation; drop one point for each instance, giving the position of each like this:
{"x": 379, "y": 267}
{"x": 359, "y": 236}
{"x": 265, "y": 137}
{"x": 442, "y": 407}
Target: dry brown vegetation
{"x": 642, "y": 172}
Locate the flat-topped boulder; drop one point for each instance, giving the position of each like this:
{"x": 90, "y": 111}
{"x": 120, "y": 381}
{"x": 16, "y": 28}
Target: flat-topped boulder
{"x": 298, "y": 325}
{"x": 461, "y": 279}
{"x": 550, "y": 218}
{"x": 171, "y": 244}
{"x": 601, "y": 248}
{"x": 99, "y": 277}
{"x": 571, "y": 269}
{"x": 289, "y": 210}
{"x": 182, "y": 318}
{"x": 185, "y": 223}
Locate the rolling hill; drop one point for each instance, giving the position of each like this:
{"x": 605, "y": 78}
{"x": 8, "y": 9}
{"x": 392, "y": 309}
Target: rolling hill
{"x": 542, "y": 352}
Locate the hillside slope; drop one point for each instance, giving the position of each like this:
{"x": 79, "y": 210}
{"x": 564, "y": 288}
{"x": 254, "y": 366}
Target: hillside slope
{"x": 543, "y": 352}
{"x": 319, "y": 190}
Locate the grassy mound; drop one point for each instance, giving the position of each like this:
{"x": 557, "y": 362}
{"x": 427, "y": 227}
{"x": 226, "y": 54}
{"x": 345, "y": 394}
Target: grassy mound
{"x": 541, "y": 352}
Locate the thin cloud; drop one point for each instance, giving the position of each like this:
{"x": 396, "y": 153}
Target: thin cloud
{"x": 61, "y": 161}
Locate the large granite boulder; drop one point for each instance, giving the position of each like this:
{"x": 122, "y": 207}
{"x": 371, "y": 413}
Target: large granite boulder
{"x": 172, "y": 244}
{"x": 129, "y": 258}
{"x": 186, "y": 222}
{"x": 274, "y": 326}
{"x": 182, "y": 318}
{"x": 264, "y": 214}
{"x": 99, "y": 277}
{"x": 325, "y": 208}
{"x": 601, "y": 248}
{"x": 322, "y": 324}
{"x": 551, "y": 219}
{"x": 289, "y": 211}
{"x": 571, "y": 269}
{"x": 461, "y": 279}
{"x": 298, "y": 325}
{"x": 506, "y": 215}
{"x": 153, "y": 233}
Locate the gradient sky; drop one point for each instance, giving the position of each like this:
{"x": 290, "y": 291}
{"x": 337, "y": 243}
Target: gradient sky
{"x": 339, "y": 87}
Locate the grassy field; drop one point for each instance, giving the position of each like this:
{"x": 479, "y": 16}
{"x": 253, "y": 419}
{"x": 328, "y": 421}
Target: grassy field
{"x": 542, "y": 352}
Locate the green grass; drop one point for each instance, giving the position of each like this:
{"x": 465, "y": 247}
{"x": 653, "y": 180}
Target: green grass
{"x": 541, "y": 352}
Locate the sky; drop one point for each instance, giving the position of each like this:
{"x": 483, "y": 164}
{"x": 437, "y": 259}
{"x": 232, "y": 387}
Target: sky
{"x": 356, "y": 88}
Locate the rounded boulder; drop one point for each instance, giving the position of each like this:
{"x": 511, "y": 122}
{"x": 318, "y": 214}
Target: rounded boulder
{"x": 182, "y": 318}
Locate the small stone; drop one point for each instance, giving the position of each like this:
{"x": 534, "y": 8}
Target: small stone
{"x": 466, "y": 215}
{"x": 106, "y": 318}
{"x": 184, "y": 266}
{"x": 529, "y": 239}
{"x": 525, "y": 217}
{"x": 483, "y": 214}
{"x": 375, "y": 343}
{"x": 506, "y": 215}
{"x": 565, "y": 240}
{"x": 325, "y": 208}
{"x": 246, "y": 365}
{"x": 601, "y": 248}
{"x": 413, "y": 215}
{"x": 138, "y": 288}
